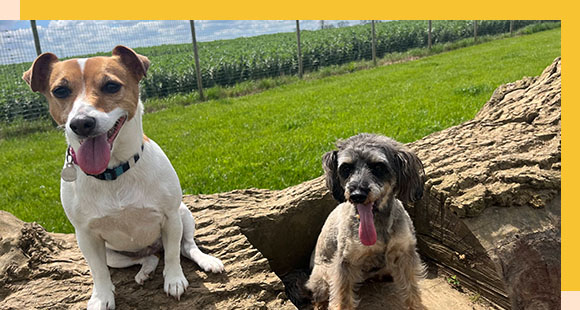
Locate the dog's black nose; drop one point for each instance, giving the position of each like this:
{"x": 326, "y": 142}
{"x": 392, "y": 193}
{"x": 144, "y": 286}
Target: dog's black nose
{"x": 358, "y": 196}
{"x": 83, "y": 125}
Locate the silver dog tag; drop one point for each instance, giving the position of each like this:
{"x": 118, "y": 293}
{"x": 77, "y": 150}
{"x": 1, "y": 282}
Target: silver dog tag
{"x": 69, "y": 173}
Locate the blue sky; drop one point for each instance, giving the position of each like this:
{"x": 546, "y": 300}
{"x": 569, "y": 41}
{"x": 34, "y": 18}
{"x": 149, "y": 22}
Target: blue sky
{"x": 75, "y": 37}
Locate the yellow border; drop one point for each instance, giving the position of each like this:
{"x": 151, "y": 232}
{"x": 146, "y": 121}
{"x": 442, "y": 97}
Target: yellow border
{"x": 377, "y": 9}
{"x": 297, "y": 9}
{"x": 570, "y": 171}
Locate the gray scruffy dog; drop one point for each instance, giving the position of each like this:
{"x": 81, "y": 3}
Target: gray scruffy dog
{"x": 369, "y": 234}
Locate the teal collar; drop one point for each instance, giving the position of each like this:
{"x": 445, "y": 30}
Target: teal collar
{"x": 112, "y": 173}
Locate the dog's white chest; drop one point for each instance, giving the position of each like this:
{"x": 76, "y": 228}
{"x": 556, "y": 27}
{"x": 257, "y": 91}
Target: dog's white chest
{"x": 130, "y": 229}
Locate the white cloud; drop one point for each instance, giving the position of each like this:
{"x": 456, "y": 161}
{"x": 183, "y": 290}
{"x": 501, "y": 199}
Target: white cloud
{"x": 16, "y": 46}
{"x": 67, "y": 38}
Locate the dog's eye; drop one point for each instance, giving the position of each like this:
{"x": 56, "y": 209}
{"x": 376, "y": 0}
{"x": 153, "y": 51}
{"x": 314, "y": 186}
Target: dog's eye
{"x": 379, "y": 169}
{"x": 61, "y": 92}
{"x": 111, "y": 87}
{"x": 345, "y": 170}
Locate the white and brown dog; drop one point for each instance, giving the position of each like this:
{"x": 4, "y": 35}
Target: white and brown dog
{"x": 118, "y": 188}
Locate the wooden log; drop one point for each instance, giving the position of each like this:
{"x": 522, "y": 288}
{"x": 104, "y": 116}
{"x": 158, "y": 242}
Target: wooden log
{"x": 491, "y": 211}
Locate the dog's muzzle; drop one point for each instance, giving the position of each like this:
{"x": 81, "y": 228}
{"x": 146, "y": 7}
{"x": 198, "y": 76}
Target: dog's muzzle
{"x": 83, "y": 125}
{"x": 359, "y": 195}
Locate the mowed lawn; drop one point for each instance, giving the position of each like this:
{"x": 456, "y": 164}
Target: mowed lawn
{"x": 276, "y": 138}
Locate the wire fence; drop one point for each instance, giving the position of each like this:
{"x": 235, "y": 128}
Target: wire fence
{"x": 168, "y": 44}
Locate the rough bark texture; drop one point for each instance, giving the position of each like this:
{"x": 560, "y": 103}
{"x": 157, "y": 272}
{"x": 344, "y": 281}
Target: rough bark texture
{"x": 490, "y": 216}
{"x": 491, "y": 212}
{"x": 40, "y": 270}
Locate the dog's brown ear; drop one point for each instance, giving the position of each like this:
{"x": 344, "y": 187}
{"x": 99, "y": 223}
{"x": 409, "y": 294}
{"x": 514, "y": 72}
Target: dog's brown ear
{"x": 37, "y": 76}
{"x": 138, "y": 64}
{"x": 330, "y": 166}
{"x": 410, "y": 176}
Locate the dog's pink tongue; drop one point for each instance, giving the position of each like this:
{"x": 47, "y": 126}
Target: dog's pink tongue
{"x": 366, "y": 228}
{"x": 94, "y": 154}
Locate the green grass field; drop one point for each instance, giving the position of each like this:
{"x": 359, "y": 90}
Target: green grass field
{"x": 276, "y": 138}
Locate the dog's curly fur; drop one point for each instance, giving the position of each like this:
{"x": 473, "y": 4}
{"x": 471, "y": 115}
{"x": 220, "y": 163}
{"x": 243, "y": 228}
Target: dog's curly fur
{"x": 368, "y": 169}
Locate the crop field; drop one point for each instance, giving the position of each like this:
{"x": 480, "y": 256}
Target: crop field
{"x": 275, "y": 139}
{"x": 227, "y": 62}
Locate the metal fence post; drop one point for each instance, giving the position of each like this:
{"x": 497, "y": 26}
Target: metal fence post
{"x": 196, "y": 56}
{"x": 300, "y": 69}
{"x": 511, "y": 28}
{"x": 36, "y": 39}
{"x": 475, "y": 30}
{"x": 374, "y": 44}
{"x": 429, "y": 36}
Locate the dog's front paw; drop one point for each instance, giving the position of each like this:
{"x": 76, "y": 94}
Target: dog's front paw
{"x": 204, "y": 261}
{"x": 102, "y": 301}
{"x": 175, "y": 284}
{"x": 210, "y": 263}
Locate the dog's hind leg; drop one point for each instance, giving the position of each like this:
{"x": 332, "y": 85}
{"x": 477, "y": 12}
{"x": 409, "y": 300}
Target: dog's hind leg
{"x": 190, "y": 250}
{"x": 148, "y": 264}
{"x": 319, "y": 288}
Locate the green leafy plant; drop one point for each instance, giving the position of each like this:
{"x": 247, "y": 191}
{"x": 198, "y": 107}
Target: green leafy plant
{"x": 475, "y": 297}
{"x": 453, "y": 280}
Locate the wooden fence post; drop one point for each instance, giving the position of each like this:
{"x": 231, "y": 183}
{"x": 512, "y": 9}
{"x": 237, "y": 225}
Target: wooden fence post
{"x": 429, "y": 36}
{"x": 35, "y": 35}
{"x": 374, "y": 44}
{"x": 196, "y": 56}
{"x": 475, "y": 30}
{"x": 511, "y": 28}
{"x": 300, "y": 69}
